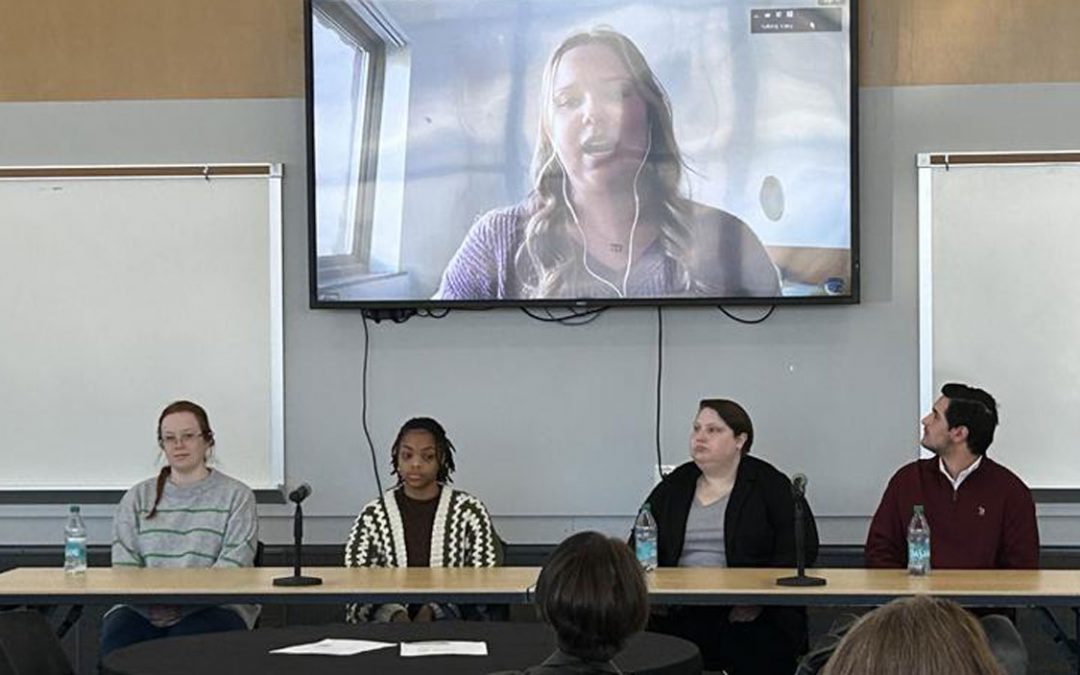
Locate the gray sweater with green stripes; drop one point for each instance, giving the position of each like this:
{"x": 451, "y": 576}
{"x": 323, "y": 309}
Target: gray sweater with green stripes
{"x": 211, "y": 523}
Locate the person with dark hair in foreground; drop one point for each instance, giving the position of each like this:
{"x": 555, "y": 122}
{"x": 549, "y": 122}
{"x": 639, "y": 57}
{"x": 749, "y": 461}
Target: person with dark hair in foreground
{"x": 189, "y": 515}
{"x": 915, "y": 636}
{"x": 981, "y": 515}
{"x": 726, "y": 508}
{"x": 421, "y": 522}
{"x": 593, "y": 593}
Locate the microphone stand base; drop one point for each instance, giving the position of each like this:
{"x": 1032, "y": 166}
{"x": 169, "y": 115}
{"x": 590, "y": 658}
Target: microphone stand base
{"x": 297, "y": 581}
{"x": 799, "y": 581}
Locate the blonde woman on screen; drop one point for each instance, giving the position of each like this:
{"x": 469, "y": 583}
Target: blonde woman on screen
{"x": 606, "y": 217}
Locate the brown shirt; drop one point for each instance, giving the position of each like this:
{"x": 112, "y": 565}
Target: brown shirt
{"x": 418, "y": 519}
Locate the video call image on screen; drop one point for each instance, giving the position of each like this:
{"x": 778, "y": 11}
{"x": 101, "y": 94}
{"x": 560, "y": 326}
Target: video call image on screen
{"x": 481, "y": 151}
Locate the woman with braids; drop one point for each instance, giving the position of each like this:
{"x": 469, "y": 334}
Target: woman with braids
{"x": 190, "y": 515}
{"x": 421, "y": 522}
{"x": 607, "y": 217}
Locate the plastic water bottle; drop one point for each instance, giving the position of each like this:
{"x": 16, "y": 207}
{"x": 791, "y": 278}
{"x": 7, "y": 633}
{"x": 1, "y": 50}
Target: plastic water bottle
{"x": 645, "y": 538}
{"x": 74, "y": 543}
{"x": 918, "y": 543}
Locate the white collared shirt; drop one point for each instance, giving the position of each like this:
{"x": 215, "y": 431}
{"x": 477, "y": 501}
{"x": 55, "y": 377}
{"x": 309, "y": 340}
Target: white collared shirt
{"x": 960, "y": 476}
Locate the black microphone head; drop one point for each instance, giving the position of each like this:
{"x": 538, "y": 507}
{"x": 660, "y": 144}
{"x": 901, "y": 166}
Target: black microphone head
{"x": 798, "y": 484}
{"x": 300, "y": 494}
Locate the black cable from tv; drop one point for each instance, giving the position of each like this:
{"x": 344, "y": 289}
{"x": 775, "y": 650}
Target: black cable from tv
{"x": 659, "y": 380}
{"x": 575, "y": 317}
{"x": 364, "y": 402}
{"x": 748, "y": 322}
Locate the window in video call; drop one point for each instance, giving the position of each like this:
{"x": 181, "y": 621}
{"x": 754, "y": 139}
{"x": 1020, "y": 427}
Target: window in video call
{"x": 478, "y": 152}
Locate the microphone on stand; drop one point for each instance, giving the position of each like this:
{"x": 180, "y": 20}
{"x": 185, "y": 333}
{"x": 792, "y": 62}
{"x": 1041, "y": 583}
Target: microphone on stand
{"x": 300, "y": 494}
{"x": 798, "y": 491}
{"x": 296, "y": 496}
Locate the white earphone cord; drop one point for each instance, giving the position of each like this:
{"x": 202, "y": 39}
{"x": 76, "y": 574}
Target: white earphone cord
{"x": 633, "y": 228}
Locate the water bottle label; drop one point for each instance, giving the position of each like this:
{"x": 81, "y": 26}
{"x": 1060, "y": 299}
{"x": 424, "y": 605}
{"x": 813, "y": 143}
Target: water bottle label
{"x": 74, "y": 553}
{"x": 646, "y": 551}
{"x": 919, "y": 556}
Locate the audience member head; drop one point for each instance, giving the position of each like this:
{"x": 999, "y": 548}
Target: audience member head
{"x": 593, "y": 593}
{"x": 915, "y": 636}
{"x": 422, "y": 440}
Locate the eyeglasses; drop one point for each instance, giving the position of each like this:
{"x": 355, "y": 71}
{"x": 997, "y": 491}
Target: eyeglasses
{"x": 182, "y": 439}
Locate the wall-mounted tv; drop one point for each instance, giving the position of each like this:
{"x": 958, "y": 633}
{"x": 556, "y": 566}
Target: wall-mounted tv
{"x": 467, "y": 153}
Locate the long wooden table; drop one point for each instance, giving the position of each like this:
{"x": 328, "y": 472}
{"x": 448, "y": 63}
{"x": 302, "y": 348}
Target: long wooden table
{"x": 515, "y": 585}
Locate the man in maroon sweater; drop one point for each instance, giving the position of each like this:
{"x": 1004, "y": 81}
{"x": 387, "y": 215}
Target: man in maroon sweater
{"x": 981, "y": 515}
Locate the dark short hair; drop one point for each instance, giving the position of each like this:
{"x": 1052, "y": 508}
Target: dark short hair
{"x": 444, "y": 449}
{"x": 972, "y": 408}
{"x": 734, "y": 415}
{"x": 593, "y": 593}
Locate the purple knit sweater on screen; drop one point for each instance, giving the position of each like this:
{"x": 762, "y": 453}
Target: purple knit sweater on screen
{"x": 483, "y": 267}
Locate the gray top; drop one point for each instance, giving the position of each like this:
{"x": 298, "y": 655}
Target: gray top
{"x": 704, "y": 542}
{"x": 211, "y": 523}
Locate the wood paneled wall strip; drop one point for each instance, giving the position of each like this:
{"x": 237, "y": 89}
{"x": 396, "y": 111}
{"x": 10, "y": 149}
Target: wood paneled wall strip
{"x": 927, "y": 42}
{"x": 86, "y": 50}
{"x": 75, "y": 50}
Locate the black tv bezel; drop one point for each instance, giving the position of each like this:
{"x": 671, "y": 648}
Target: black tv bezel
{"x": 851, "y": 298}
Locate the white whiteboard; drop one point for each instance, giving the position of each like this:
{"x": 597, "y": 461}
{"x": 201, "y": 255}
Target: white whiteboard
{"x": 123, "y": 291}
{"x": 999, "y": 241}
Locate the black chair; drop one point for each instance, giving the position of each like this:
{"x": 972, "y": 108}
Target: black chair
{"x": 28, "y": 646}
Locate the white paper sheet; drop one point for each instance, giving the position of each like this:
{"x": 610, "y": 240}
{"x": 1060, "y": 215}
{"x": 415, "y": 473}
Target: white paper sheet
{"x": 334, "y": 647}
{"x": 443, "y": 648}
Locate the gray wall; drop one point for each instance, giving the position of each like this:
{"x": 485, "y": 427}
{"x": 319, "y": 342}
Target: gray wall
{"x": 554, "y": 424}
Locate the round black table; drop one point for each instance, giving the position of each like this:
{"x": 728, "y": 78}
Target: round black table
{"x": 510, "y": 646}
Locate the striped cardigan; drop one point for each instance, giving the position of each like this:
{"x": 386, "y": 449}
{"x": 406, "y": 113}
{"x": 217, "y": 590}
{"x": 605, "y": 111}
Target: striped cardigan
{"x": 461, "y": 536}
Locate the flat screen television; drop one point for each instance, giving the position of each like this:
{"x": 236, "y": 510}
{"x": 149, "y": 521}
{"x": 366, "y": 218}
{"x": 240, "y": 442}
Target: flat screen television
{"x": 466, "y": 153}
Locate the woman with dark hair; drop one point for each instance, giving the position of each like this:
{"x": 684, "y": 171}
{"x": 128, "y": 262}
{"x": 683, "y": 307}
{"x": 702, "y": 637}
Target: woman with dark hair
{"x": 593, "y": 593}
{"x": 421, "y": 522}
{"x": 726, "y": 508}
{"x": 606, "y": 216}
{"x": 190, "y": 515}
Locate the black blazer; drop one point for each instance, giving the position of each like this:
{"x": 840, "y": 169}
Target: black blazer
{"x": 759, "y": 527}
{"x": 759, "y": 524}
